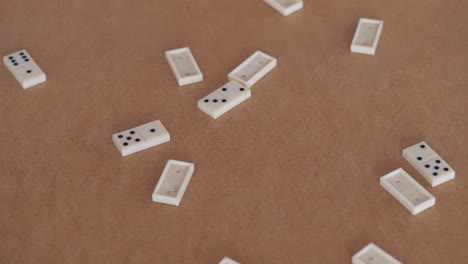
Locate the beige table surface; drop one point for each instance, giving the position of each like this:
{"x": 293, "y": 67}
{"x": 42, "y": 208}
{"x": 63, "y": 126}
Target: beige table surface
{"x": 289, "y": 176}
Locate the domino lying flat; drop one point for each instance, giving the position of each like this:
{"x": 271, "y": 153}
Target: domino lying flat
{"x": 227, "y": 260}
{"x": 285, "y": 7}
{"x": 173, "y": 182}
{"x": 24, "y": 68}
{"x": 407, "y": 191}
{"x": 184, "y": 66}
{"x": 140, "y": 138}
{"x": 367, "y": 35}
{"x": 430, "y": 165}
{"x": 372, "y": 254}
{"x": 224, "y": 99}
{"x": 253, "y": 69}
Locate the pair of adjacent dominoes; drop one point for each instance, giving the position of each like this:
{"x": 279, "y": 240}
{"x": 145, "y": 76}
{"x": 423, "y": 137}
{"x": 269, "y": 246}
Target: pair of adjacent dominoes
{"x": 237, "y": 90}
{"x": 227, "y": 260}
{"x": 372, "y": 254}
{"x": 24, "y": 69}
{"x": 176, "y": 175}
{"x": 409, "y": 192}
{"x": 367, "y": 35}
{"x": 285, "y": 7}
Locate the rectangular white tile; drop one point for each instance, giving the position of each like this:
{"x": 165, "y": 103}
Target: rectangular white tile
{"x": 428, "y": 163}
{"x": 407, "y": 191}
{"x": 253, "y": 69}
{"x": 173, "y": 182}
{"x": 184, "y": 66}
{"x": 224, "y": 99}
{"x": 24, "y": 69}
{"x": 367, "y": 35}
{"x": 372, "y": 254}
{"x": 285, "y": 7}
{"x": 141, "y": 138}
{"x": 227, "y": 260}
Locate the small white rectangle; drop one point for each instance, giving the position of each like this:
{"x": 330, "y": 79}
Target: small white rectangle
{"x": 407, "y": 191}
{"x": 24, "y": 68}
{"x": 184, "y": 66}
{"x": 224, "y": 99}
{"x": 141, "y": 137}
{"x": 253, "y": 69}
{"x": 428, "y": 163}
{"x": 173, "y": 182}
{"x": 227, "y": 260}
{"x": 367, "y": 35}
{"x": 285, "y": 7}
{"x": 372, "y": 254}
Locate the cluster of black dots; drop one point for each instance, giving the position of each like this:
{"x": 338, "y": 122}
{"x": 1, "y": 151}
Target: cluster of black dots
{"x": 23, "y": 56}
{"x": 215, "y": 100}
{"x": 223, "y": 100}
{"x": 421, "y": 146}
{"x": 152, "y": 130}
{"x": 435, "y": 167}
{"x": 225, "y": 89}
{"x": 129, "y": 138}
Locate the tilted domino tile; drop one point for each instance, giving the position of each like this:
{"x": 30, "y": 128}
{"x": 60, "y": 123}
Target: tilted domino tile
{"x": 184, "y": 66}
{"x": 428, "y": 163}
{"x": 224, "y": 99}
{"x": 420, "y": 152}
{"x": 24, "y": 68}
{"x": 367, "y": 35}
{"x": 141, "y": 137}
{"x": 253, "y": 69}
{"x": 285, "y": 7}
{"x": 173, "y": 182}
{"x": 227, "y": 260}
{"x": 235, "y": 91}
{"x": 372, "y": 254}
{"x": 407, "y": 191}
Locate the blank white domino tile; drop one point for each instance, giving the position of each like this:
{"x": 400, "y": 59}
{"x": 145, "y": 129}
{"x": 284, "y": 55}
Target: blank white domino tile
{"x": 224, "y": 99}
{"x": 141, "y": 137}
{"x": 253, "y": 69}
{"x": 173, "y": 182}
{"x": 430, "y": 165}
{"x": 227, "y": 260}
{"x": 372, "y": 254}
{"x": 367, "y": 35}
{"x": 184, "y": 66}
{"x": 285, "y": 7}
{"x": 24, "y": 68}
{"x": 407, "y": 191}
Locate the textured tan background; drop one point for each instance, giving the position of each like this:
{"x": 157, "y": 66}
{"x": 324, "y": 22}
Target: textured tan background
{"x": 289, "y": 176}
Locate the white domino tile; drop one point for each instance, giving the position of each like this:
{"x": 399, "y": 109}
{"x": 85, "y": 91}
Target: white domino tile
{"x": 372, "y": 254}
{"x": 141, "y": 137}
{"x": 173, "y": 182}
{"x": 285, "y": 7}
{"x": 224, "y": 99}
{"x": 227, "y": 260}
{"x": 367, "y": 35}
{"x": 24, "y": 69}
{"x": 428, "y": 163}
{"x": 407, "y": 191}
{"x": 253, "y": 69}
{"x": 184, "y": 66}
